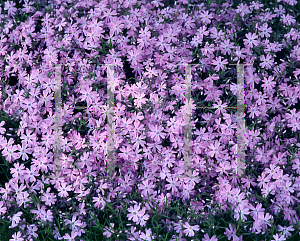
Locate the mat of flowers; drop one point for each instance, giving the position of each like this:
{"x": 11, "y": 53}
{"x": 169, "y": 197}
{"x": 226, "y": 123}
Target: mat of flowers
{"x": 54, "y": 58}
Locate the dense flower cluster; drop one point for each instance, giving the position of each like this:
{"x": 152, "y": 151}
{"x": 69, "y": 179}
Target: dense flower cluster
{"x": 150, "y": 42}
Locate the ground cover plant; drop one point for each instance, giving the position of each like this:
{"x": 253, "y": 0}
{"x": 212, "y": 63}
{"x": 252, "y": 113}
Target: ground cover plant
{"x": 149, "y": 41}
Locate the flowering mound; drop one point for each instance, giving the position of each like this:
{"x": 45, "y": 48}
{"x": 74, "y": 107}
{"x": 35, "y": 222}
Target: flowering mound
{"x": 149, "y": 44}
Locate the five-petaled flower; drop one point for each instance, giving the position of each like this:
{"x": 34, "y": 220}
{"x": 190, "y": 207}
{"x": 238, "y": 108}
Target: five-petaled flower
{"x": 151, "y": 72}
{"x": 266, "y": 62}
{"x": 17, "y": 237}
{"x": 64, "y": 189}
{"x": 189, "y": 230}
{"x": 135, "y": 212}
{"x": 251, "y": 40}
{"x": 10, "y": 153}
{"x": 265, "y": 31}
{"x": 156, "y": 132}
{"x": 219, "y": 63}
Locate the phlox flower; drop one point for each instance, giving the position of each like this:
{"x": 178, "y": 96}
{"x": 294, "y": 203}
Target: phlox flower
{"x": 226, "y": 47}
{"x": 208, "y": 49}
{"x": 251, "y": 40}
{"x": 147, "y": 236}
{"x": 99, "y": 202}
{"x": 289, "y": 214}
{"x": 24, "y": 150}
{"x": 64, "y": 189}
{"x": 215, "y": 149}
{"x": 230, "y": 232}
{"x": 23, "y": 199}
{"x": 57, "y": 234}
{"x": 219, "y": 63}
{"x": 126, "y": 125}
{"x": 243, "y": 9}
{"x": 127, "y": 183}
{"x": 280, "y": 177}
{"x": 236, "y": 238}
{"x": 297, "y": 71}
{"x": 266, "y": 219}
{"x": 6, "y": 191}
{"x": 40, "y": 163}
{"x": 298, "y": 55}
{"x": 74, "y": 223}
{"x": 279, "y": 11}
{"x": 17, "y": 237}
{"x": 223, "y": 167}
{"x": 278, "y": 237}
{"x": 173, "y": 184}
{"x": 189, "y": 107}
{"x": 187, "y": 190}
{"x": 143, "y": 217}
{"x": 108, "y": 231}
{"x": 15, "y": 219}
{"x": 133, "y": 234}
{"x": 134, "y": 56}
{"x": 156, "y": 132}
{"x": 207, "y": 238}
{"x": 2, "y": 130}
{"x": 268, "y": 188}
{"x": 197, "y": 39}
{"x": 265, "y": 31}
{"x": 46, "y": 215}
{"x": 170, "y": 35}
{"x": 263, "y": 180}
{"x": 32, "y": 173}
{"x": 31, "y": 231}
{"x": 18, "y": 189}
{"x": 257, "y": 226}
{"x": 39, "y": 212}
{"x": 174, "y": 238}
{"x": 256, "y": 210}
{"x": 139, "y": 88}
{"x": 240, "y": 54}
{"x": 86, "y": 93}
{"x": 256, "y": 5}
{"x": 50, "y": 55}
{"x": 10, "y": 154}
{"x": 151, "y": 72}
{"x": 293, "y": 116}
{"x": 288, "y": 186}
{"x": 2, "y": 209}
{"x": 134, "y": 213}
{"x": 215, "y": 34}
{"x": 157, "y": 3}
{"x": 272, "y": 170}
{"x": 221, "y": 107}
{"x": 285, "y": 230}
{"x": 296, "y": 165}
{"x": 126, "y": 153}
{"x": 10, "y": 7}
{"x": 241, "y": 210}
{"x": 70, "y": 238}
{"x": 143, "y": 42}
{"x": 206, "y": 17}
{"x": 295, "y": 125}
{"x": 178, "y": 228}
{"x": 18, "y": 170}
{"x": 189, "y": 230}
{"x": 146, "y": 187}
{"x": 268, "y": 63}
{"x": 287, "y": 19}
{"x": 140, "y": 100}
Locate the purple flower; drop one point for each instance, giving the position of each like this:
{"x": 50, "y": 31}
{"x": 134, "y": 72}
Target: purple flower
{"x": 17, "y": 237}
